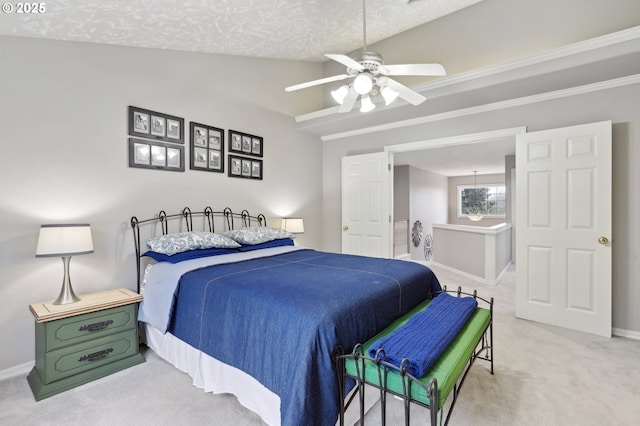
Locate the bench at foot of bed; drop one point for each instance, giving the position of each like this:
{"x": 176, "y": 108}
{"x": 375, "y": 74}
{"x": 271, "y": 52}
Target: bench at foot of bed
{"x": 443, "y": 380}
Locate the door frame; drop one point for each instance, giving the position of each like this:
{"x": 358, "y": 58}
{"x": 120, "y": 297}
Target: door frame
{"x": 470, "y": 138}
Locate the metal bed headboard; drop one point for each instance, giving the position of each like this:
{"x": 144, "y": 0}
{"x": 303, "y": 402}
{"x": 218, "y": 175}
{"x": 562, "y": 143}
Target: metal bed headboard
{"x": 226, "y": 218}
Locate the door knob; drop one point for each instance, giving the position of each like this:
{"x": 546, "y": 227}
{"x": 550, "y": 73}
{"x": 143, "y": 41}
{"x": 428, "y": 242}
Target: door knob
{"x": 603, "y": 240}
{"x": 345, "y": 228}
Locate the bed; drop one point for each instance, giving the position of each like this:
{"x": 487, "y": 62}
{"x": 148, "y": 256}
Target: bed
{"x": 262, "y": 321}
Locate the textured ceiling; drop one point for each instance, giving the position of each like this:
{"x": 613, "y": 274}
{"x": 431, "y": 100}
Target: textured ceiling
{"x": 283, "y": 29}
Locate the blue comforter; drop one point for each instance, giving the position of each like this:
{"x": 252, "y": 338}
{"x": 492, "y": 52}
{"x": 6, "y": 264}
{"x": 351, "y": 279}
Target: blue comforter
{"x": 279, "y": 318}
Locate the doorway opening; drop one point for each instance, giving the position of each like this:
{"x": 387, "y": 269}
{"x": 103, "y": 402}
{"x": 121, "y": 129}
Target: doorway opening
{"x": 441, "y": 159}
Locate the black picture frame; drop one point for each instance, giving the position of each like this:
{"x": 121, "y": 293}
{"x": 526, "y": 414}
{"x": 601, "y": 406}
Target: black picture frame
{"x": 150, "y": 154}
{"x": 245, "y": 167}
{"x": 144, "y": 123}
{"x": 207, "y": 148}
{"x": 245, "y": 143}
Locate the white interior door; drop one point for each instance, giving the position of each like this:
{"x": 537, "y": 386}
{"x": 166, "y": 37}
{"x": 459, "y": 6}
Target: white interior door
{"x": 366, "y": 205}
{"x": 563, "y": 201}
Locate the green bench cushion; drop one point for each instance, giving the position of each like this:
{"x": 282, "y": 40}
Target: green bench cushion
{"x": 446, "y": 370}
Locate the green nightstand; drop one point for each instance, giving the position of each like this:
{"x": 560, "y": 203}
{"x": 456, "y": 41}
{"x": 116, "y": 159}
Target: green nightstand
{"x": 83, "y": 341}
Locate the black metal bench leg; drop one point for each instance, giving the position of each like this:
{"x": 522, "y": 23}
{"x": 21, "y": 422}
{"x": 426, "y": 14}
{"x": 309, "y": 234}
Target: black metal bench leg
{"x": 433, "y": 401}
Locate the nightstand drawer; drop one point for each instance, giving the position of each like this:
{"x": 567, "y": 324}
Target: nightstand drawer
{"x": 90, "y": 355}
{"x": 86, "y": 327}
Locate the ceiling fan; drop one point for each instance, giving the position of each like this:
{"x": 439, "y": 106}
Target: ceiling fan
{"x": 367, "y": 73}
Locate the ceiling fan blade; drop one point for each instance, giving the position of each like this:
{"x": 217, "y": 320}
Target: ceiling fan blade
{"x": 346, "y": 61}
{"x": 349, "y": 101}
{"x": 413, "y": 69}
{"x": 409, "y": 95}
{"x": 316, "y": 82}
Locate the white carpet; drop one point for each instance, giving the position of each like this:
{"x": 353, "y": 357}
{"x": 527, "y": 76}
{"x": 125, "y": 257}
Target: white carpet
{"x": 543, "y": 376}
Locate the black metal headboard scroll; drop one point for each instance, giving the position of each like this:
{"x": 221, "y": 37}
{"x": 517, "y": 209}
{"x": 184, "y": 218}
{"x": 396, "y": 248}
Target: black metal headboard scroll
{"x": 228, "y": 220}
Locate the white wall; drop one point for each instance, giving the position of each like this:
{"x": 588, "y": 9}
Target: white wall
{"x": 63, "y": 132}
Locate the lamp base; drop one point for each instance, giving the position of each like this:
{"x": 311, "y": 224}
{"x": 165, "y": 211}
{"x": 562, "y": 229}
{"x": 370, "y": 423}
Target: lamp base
{"x": 66, "y": 293}
{"x": 66, "y": 296}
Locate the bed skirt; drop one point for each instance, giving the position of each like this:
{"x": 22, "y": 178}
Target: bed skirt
{"x": 214, "y": 376}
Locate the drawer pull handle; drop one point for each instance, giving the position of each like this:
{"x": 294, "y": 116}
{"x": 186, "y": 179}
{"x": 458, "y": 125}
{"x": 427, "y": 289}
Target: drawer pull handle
{"x": 96, "y": 326}
{"x": 96, "y": 355}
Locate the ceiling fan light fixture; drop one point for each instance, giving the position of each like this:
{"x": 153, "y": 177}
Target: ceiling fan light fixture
{"x": 366, "y": 105}
{"x": 370, "y": 77}
{"x": 340, "y": 93}
{"x": 363, "y": 83}
{"x": 388, "y": 94}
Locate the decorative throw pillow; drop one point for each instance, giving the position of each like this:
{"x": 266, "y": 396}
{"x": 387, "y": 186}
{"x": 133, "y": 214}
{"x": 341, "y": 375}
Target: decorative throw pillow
{"x": 257, "y": 235}
{"x": 184, "y": 241}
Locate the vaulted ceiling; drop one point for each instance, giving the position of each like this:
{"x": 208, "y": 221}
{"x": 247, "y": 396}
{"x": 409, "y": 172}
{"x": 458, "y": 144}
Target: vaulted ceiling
{"x": 281, "y": 29}
{"x": 483, "y": 33}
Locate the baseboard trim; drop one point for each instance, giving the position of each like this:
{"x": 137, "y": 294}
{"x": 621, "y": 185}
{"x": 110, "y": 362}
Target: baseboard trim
{"x": 18, "y": 370}
{"x": 621, "y": 332}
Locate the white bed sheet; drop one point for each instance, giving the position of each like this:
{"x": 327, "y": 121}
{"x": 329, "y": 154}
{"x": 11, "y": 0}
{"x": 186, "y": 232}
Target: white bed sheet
{"x": 215, "y": 376}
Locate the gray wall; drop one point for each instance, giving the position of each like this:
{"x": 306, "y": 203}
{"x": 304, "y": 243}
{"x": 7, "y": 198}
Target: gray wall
{"x": 504, "y": 242}
{"x": 401, "y": 193}
{"x": 428, "y": 204}
{"x": 462, "y": 251}
{"x": 63, "y": 117}
{"x": 419, "y": 195}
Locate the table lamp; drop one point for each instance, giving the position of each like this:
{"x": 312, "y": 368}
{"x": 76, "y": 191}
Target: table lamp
{"x": 295, "y": 225}
{"x": 65, "y": 241}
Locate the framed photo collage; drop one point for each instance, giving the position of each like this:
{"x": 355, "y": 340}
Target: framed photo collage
{"x": 157, "y": 142}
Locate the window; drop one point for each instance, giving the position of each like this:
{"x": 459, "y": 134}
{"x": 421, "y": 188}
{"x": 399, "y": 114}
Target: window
{"x": 487, "y": 200}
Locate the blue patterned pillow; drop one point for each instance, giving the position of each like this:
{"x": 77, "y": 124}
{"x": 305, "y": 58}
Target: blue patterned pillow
{"x": 257, "y": 235}
{"x": 185, "y": 241}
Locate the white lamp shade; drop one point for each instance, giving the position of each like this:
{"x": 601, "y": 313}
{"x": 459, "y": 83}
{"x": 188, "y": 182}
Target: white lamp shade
{"x": 64, "y": 240}
{"x": 295, "y": 225}
{"x": 366, "y": 105}
{"x": 339, "y": 94}
{"x": 388, "y": 94}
